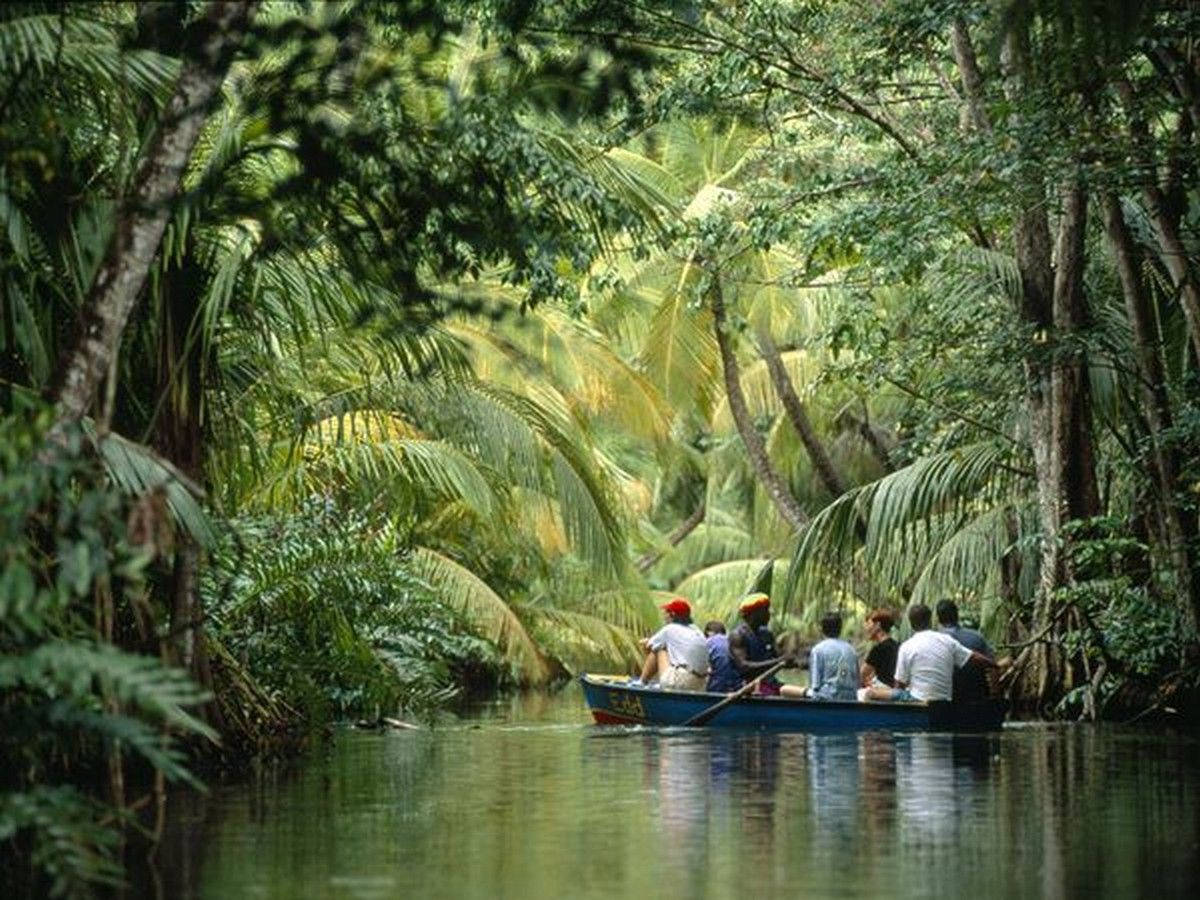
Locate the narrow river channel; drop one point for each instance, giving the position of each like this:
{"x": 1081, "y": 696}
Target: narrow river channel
{"x": 528, "y": 800}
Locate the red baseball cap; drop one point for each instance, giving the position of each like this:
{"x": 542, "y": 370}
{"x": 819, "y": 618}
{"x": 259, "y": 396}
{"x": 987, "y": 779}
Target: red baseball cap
{"x": 677, "y": 607}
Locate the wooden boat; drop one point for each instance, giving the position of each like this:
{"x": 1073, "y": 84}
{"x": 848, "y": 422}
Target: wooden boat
{"x": 613, "y": 701}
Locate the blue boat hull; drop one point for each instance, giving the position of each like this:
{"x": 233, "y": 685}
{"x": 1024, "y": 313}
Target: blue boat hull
{"x": 613, "y": 702}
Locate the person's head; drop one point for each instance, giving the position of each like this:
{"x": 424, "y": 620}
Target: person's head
{"x": 831, "y": 624}
{"x": 919, "y": 617}
{"x": 756, "y": 609}
{"x": 678, "y": 610}
{"x": 714, "y": 627}
{"x": 879, "y": 623}
{"x": 947, "y": 612}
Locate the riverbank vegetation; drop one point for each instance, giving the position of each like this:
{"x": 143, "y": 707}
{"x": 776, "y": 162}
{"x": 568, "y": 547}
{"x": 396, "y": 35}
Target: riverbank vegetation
{"x": 357, "y": 356}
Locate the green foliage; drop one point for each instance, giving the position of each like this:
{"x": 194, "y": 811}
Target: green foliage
{"x": 446, "y": 267}
{"x": 59, "y": 830}
{"x": 324, "y": 610}
{"x": 1121, "y": 620}
{"x": 67, "y": 696}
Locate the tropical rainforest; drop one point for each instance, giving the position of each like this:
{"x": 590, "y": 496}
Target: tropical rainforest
{"x": 356, "y": 356}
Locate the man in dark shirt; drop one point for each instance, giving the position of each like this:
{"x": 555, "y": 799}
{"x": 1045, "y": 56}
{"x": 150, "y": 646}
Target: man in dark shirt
{"x": 880, "y": 663}
{"x": 752, "y": 645}
{"x": 970, "y": 682}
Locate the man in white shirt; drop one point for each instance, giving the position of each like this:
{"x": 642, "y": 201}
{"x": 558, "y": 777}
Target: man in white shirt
{"x": 677, "y": 652}
{"x": 926, "y": 662}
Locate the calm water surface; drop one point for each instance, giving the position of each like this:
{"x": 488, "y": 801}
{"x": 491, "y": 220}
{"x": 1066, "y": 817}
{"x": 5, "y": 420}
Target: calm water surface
{"x": 529, "y": 800}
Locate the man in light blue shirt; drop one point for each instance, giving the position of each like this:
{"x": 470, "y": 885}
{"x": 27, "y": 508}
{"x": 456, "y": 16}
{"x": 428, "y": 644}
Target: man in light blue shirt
{"x": 833, "y": 664}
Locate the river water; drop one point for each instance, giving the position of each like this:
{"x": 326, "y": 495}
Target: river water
{"x": 527, "y": 800}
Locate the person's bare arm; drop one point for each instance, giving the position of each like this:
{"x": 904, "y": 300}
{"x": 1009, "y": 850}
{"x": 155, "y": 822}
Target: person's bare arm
{"x": 980, "y": 659}
{"x": 747, "y": 668}
{"x": 866, "y": 674}
{"x": 883, "y": 692}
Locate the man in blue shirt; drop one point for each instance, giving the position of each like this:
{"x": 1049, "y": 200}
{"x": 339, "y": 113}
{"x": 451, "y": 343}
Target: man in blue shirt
{"x": 723, "y": 678}
{"x": 833, "y": 664}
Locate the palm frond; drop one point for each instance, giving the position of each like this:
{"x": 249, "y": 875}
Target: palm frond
{"x": 635, "y": 182}
{"x": 909, "y": 514}
{"x": 67, "y": 840}
{"x": 85, "y": 47}
{"x": 495, "y": 619}
{"x": 970, "y": 557}
{"x": 138, "y": 470}
{"x": 581, "y": 640}
{"x": 679, "y": 352}
{"x": 430, "y": 468}
{"x": 586, "y": 502}
{"x": 143, "y": 683}
{"x": 715, "y": 591}
{"x": 707, "y": 545}
{"x": 989, "y": 273}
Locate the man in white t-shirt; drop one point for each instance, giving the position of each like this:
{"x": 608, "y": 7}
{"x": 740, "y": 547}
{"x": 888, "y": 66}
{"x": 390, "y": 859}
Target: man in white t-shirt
{"x": 926, "y": 662}
{"x": 677, "y": 652}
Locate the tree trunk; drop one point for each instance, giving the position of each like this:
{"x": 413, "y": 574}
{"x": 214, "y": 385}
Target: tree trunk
{"x": 968, "y": 72}
{"x": 184, "y": 624}
{"x": 1073, "y": 457}
{"x": 976, "y": 117}
{"x": 1042, "y": 668}
{"x": 756, "y": 449}
{"x": 143, "y": 217}
{"x": 1180, "y": 523}
{"x": 798, "y": 416}
{"x": 1061, "y": 428}
{"x": 1053, "y": 306}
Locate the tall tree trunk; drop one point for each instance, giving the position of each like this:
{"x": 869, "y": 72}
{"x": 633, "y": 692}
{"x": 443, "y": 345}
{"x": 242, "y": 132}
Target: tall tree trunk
{"x": 1053, "y": 306}
{"x": 756, "y": 449}
{"x": 142, "y": 218}
{"x": 975, "y": 113}
{"x": 1180, "y": 522}
{"x": 798, "y": 416}
{"x": 1073, "y": 457}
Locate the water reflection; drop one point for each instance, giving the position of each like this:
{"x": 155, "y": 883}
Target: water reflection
{"x": 584, "y": 812}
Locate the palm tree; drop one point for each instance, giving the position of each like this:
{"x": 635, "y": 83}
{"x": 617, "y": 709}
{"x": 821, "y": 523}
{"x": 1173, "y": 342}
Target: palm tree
{"x": 706, "y": 324}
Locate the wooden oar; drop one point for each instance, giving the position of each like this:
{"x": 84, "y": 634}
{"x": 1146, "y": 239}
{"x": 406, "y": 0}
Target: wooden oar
{"x": 702, "y": 718}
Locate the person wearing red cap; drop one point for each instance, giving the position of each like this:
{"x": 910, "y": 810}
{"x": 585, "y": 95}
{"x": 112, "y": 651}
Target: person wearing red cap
{"x": 676, "y": 653}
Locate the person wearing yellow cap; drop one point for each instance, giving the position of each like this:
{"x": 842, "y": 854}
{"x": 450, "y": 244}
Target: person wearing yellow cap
{"x": 676, "y": 653}
{"x": 752, "y": 644}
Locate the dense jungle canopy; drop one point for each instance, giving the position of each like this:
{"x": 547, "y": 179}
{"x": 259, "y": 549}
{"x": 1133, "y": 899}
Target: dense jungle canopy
{"x": 353, "y": 355}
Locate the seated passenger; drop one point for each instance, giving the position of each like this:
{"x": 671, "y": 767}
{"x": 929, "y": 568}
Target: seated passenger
{"x": 833, "y": 664}
{"x": 926, "y": 662}
{"x": 880, "y": 664}
{"x": 970, "y": 682}
{"x": 752, "y": 645}
{"x": 722, "y": 676}
{"x": 676, "y": 653}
